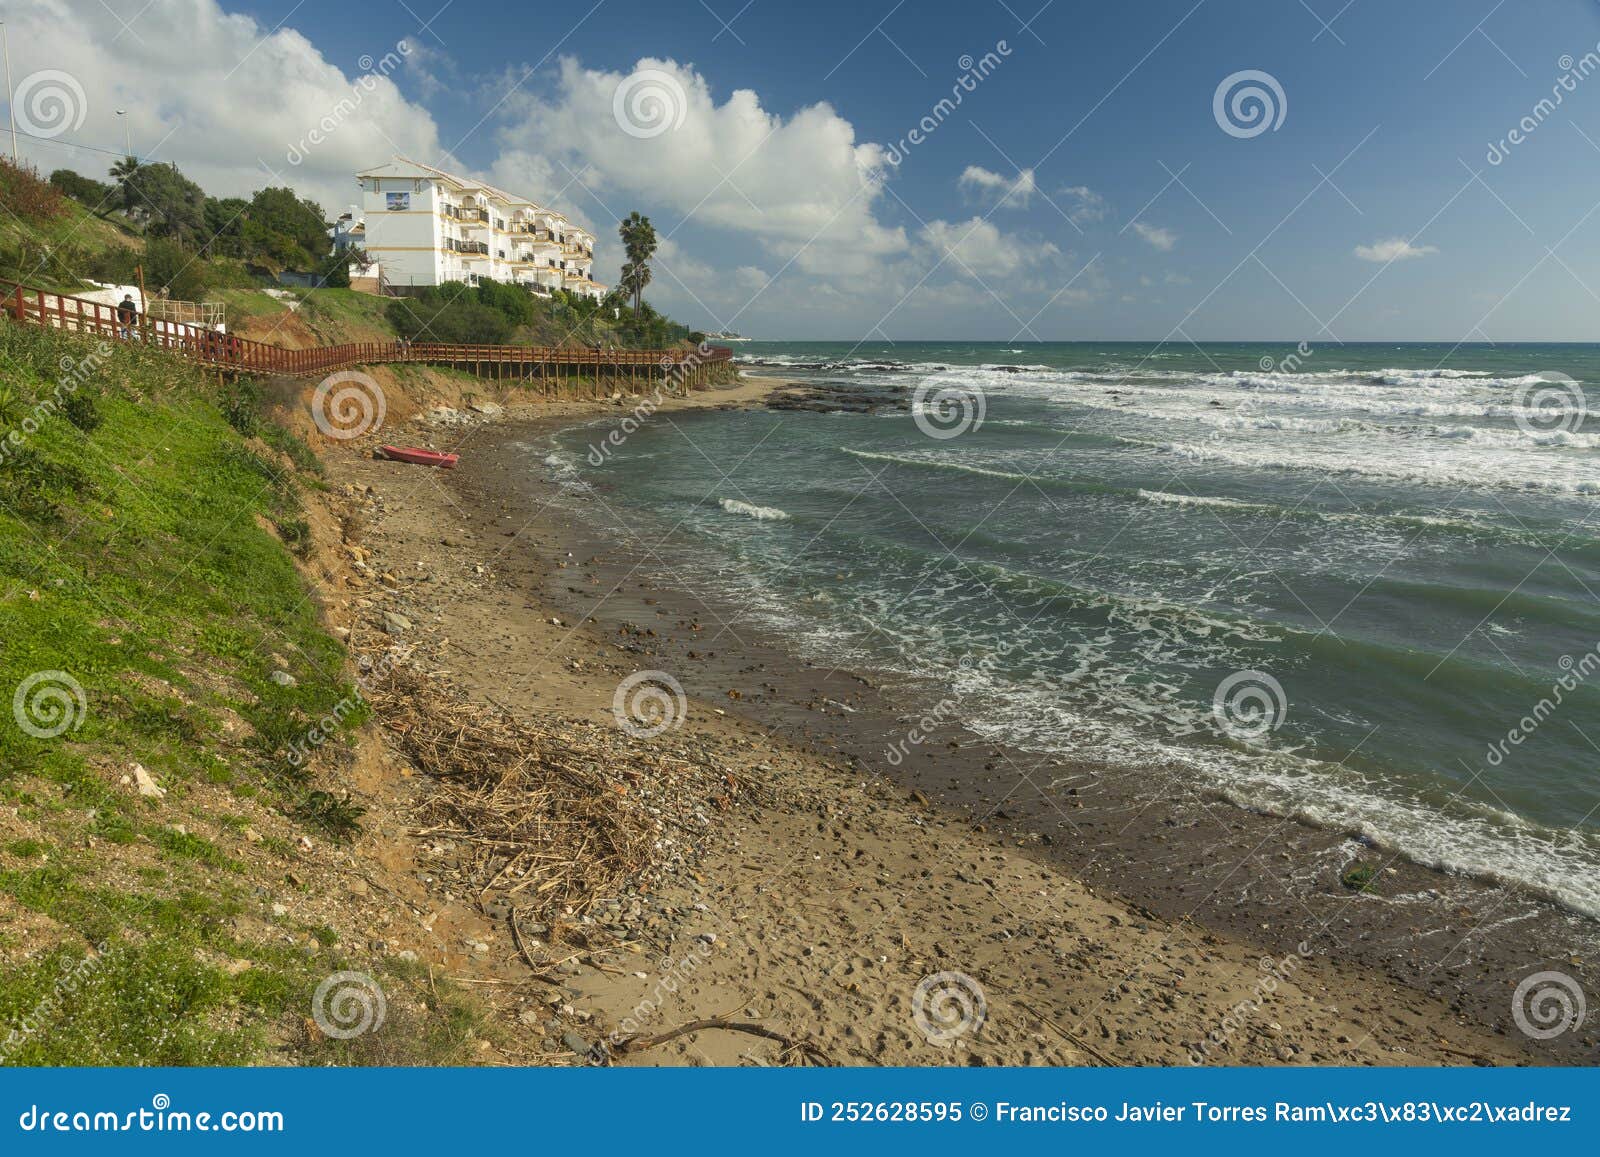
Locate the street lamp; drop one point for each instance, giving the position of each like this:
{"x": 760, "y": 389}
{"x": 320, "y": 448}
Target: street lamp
{"x": 127, "y": 133}
{"x": 5, "y": 48}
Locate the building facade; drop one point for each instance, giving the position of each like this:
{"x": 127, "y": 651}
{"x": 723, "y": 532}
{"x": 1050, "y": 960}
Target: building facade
{"x": 425, "y": 226}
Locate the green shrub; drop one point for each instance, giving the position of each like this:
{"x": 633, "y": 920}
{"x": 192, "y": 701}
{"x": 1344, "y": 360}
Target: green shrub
{"x": 82, "y": 411}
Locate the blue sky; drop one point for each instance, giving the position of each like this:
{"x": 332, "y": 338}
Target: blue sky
{"x": 1359, "y": 217}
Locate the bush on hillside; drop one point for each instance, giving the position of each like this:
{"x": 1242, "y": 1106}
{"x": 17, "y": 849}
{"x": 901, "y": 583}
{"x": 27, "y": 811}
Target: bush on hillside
{"x": 433, "y": 316}
{"x": 457, "y": 313}
{"x": 28, "y": 196}
{"x": 167, "y": 266}
{"x": 94, "y": 195}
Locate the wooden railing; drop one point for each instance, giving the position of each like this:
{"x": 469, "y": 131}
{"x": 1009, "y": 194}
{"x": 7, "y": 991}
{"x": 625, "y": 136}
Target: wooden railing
{"x": 226, "y": 352}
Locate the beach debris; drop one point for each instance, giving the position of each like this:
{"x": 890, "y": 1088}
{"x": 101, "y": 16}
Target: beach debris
{"x": 1359, "y": 876}
{"x": 553, "y": 814}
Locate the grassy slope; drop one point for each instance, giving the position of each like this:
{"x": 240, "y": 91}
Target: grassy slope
{"x": 138, "y": 559}
{"x": 53, "y": 251}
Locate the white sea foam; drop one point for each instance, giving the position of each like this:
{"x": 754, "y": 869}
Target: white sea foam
{"x": 751, "y": 510}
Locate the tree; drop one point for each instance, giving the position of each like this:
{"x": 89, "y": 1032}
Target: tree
{"x": 168, "y": 265}
{"x": 289, "y": 226}
{"x": 225, "y": 217}
{"x": 174, "y": 206}
{"x": 123, "y": 173}
{"x": 84, "y": 190}
{"x": 639, "y": 243}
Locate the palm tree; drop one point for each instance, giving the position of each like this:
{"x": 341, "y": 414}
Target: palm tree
{"x": 123, "y": 172}
{"x": 635, "y": 276}
{"x": 639, "y": 242}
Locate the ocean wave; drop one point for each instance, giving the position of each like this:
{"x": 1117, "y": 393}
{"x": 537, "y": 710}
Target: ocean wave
{"x": 1500, "y": 472}
{"x": 938, "y": 464}
{"x": 751, "y": 510}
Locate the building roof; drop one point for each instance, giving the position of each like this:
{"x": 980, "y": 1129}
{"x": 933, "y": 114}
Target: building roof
{"x": 398, "y": 166}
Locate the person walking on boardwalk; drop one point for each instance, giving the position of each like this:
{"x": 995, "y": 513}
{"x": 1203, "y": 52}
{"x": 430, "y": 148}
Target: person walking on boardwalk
{"x": 127, "y": 316}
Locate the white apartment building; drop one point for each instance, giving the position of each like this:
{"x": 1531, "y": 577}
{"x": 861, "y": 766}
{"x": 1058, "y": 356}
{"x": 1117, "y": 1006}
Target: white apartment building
{"x": 426, "y": 226}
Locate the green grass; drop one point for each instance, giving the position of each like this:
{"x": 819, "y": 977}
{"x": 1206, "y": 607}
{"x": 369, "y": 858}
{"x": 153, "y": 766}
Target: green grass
{"x": 135, "y": 558}
{"x": 341, "y": 315}
{"x": 49, "y": 253}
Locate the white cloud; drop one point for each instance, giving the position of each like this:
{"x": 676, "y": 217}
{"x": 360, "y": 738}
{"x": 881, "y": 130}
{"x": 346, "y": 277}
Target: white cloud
{"x": 801, "y": 185}
{"x": 1085, "y": 204}
{"x": 226, "y": 98}
{"x": 978, "y": 249}
{"x": 1162, "y": 239}
{"x": 1393, "y": 249}
{"x": 988, "y": 185}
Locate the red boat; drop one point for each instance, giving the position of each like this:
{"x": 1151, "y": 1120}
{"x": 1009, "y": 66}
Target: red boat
{"x": 420, "y": 456}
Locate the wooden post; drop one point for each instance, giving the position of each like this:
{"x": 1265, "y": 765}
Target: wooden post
{"x": 144, "y": 298}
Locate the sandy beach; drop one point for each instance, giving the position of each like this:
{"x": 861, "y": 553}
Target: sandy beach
{"x": 818, "y": 914}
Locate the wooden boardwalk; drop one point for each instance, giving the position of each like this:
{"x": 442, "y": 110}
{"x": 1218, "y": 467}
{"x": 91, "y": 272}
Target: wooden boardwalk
{"x": 687, "y": 368}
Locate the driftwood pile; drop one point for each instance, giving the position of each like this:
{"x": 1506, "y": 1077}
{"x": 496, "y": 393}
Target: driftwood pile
{"x": 550, "y": 817}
